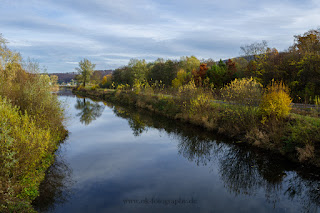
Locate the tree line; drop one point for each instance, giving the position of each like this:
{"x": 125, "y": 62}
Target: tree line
{"x": 298, "y": 67}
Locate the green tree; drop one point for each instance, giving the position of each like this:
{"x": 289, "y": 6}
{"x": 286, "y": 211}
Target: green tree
{"x": 241, "y": 65}
{"x": 189, "y": 63}
{"x": 305, "y": 66}
{"x": 123, "y": 75}
{"x": 180, "y": 79}
{"x": 85, "y": 70}
{"x": 139, "y": 69}
{"x": 96, "y": 77}
{"x": 164, "y": 71}
{"x": 217, "y": 74}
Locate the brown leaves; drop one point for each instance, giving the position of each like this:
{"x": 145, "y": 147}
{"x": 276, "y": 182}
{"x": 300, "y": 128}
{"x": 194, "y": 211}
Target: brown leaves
{"x": 199, "y": 74}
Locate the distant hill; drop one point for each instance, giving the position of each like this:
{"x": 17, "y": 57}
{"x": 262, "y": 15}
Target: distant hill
{"x": 66, "y": 77}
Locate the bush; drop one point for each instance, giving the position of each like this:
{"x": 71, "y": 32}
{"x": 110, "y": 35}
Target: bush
{"x": 276, "y": 101}
{"x": 31, "y": 92}
{"x": 80, "y": 87}
{"x": 188, "y": 91}
{"x": 23, "y": 159}
{"x": 244, "y": 91}
{"x": 94, "y": 87}
{"x": 31, "y": 125}
{"x": 200, "y": 103}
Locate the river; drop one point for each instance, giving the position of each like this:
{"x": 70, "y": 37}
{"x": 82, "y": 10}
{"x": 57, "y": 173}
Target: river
{"x": 118, "y": 159}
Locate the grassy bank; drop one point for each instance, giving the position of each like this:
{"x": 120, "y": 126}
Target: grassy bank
{"x": 31, "y": 126}
{"x": 294, "y": 136}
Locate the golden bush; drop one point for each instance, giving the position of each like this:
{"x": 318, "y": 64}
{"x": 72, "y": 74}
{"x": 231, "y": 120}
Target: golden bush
{"x": 244, "y": 91}
{"x": 276, "y": 101}
{"x": 200, "y": 103}
{"x": 188, "y": 90}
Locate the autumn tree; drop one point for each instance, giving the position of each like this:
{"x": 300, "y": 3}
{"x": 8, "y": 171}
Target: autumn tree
{"x": 231, "y": 71}
{"x": 199, "y": 74}
{"x": 271, "y": 67}
{"x": 180, "y": 79}
{"x": 254, "y": 50}
{"x": 306, "y": 49}
{"x": 255, "y": 53}
{"x": 85, "y": 70}
{"x": 189, "y": 63}
{"x": 210, "y": 62}
{"x": 309, "y": 42}
{"x": 106, "y": 81}
{"x": 241, "y": 66}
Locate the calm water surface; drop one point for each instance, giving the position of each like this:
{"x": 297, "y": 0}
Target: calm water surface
{"x": 122, "y": 160}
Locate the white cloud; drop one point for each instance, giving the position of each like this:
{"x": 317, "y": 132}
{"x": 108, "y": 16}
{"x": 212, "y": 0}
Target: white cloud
{"x": 112, "y": 32}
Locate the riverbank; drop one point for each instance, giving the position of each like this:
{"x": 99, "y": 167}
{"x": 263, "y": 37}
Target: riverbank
{"x": 31, "y": 127}
{"x": 296, "y": 137}
{"x": 26, "y": 154}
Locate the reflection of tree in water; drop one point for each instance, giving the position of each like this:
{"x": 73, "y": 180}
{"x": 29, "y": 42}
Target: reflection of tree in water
{"x": 89, "y": 111}
{"x": 305, "y": 185}
{"x": 191, "y": 149}
{"x": 134, "y": 120}
{"x": 55, "y": 189}
{"x": 244, "y": 170}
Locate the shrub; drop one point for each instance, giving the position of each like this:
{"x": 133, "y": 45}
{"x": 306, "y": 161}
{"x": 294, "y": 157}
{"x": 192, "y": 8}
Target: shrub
{"x": 200, "y": 103}
{"x": 31, "y": 92}
{"x": 238, "y": 119}
{"x": 244, "y": 91}
{"x": 188, "y": 91}
{"x": 276, "y": 101}
{"x": 94, "y": 87}
{"x": 80, "y": 87}
{"x": 31, "y": 124}
{"x": 23, "y": 159}
{"x": 123, "y": 87}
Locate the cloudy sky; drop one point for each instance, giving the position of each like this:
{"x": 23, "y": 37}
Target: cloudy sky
{"x": 59, "y": 33}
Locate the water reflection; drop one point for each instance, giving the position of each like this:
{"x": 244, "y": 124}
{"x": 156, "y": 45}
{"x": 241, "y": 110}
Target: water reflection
{"x": 135, "y": 122}
{"x": 109, "y": 167}
{"x": 56, "y": 187}
{"x": 243, "y": 170}
{"x": 89, "y": 110}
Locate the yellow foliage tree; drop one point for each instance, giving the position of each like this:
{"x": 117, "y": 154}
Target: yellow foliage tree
{"x": 180, "y": 79}
{"x": 276, "y": 101}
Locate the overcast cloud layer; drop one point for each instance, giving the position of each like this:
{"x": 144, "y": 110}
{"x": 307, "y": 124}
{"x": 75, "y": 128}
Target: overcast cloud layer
{"x": 59, "y": 33}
